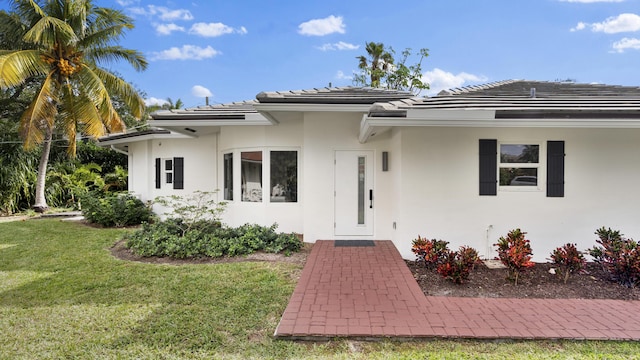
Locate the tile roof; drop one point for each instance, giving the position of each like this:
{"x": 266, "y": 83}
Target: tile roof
{"x": 526, "y": 99}
{"x": 543, "y": 89}
{"x": 333, "y": 95}
{"x": 235, "y": 110}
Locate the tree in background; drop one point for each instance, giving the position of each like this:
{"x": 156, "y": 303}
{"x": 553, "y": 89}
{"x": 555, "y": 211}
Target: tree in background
{"x": 380, "y": 69}
{"x": 65, "y": 43}
{"x": 168, "y": 105}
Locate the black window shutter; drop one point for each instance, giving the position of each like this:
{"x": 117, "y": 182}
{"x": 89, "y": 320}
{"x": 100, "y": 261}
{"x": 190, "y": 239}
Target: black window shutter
{"x": 488, "y": 167}
{"x": 555, "y": 168}
{"x": 178, "y": 173}
{"x": 158, "y": 171}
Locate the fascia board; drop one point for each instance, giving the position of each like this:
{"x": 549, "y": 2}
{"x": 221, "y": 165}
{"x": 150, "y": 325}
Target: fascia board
{"x": 442, "y": 114}
{"x": 521, "y": 123}
{"x": 213, "y": 123}
{"x": 260, "y": 119}
{"x": 270, "y": 107}
{"x": 133, "y": 139}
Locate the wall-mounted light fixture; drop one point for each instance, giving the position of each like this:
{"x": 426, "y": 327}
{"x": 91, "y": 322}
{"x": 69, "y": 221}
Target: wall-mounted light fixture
{"x": 385, "y": 161}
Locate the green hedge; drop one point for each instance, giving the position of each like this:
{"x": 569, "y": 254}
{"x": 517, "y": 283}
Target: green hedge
{"x": 115, "y": 210}
{"x": 208, "y": 239}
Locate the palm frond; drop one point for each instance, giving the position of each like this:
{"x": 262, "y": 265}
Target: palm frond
{"x": 12, "y": 29}
{"x": 105, "y": 55}
{"x": 48, "y": 30}
{"x": 96, "y": 90}
{"x": 40, "y": 114}
{"x": 124, "y": 90}
{"x": 28, "y": 9}
{"x": 107, "y": 28}
{"x": 69, "y": 120}
{"x": 17, "y": 66}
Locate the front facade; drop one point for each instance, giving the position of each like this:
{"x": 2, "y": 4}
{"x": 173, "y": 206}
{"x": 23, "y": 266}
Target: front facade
{"x": 351, "y": 163}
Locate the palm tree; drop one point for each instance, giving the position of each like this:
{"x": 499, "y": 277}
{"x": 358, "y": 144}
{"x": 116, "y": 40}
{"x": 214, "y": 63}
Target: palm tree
{"x": 377, "y": 65}
{"x": 65, "y": 42}
{"x": 169, "y": 105}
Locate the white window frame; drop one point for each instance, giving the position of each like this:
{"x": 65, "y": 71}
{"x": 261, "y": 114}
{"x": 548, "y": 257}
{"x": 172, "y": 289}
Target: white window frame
{"x": 539, "y": 166}
{"x": 165, "y": 171}
{"x": 266, "y": 173}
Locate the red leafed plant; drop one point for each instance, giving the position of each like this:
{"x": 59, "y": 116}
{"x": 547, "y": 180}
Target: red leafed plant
{"x": 514, "y": 251}
{"x": 619, "y": 256}
{"x": 432, "y": 252}
{"x": 568, "y": 260}
{"x": 456, "y": 266}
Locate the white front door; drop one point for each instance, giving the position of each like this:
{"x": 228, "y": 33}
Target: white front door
{"x": 354, "y": 193}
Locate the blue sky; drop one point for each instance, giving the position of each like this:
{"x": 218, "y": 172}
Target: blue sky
{"x": 236, "y": 49}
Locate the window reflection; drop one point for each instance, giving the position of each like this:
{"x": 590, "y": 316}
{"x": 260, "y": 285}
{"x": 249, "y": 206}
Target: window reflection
{"x": 519, "y": 164}
{"x": 284, "y": 176}
{"x": 251, "y": 174}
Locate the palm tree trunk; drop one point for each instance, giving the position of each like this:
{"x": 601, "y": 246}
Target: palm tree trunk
{"x": 41, "y": 202}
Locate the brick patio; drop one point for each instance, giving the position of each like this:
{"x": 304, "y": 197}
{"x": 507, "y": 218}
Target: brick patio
{"x": 369, "y": 292}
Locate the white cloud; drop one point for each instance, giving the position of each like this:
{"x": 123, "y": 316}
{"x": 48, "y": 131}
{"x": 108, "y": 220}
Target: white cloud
{"x": 167, "y": 14}
{"x": 166, "y": 29}
{"x": 321, "y": 27}
{"x": 138, "y": 11}
{"x": 612, "y": 25}
{"x": 214, "y": 29}
{"x": 155, "y": 101}
{"x": 127, "y": 2}
{"x": 341, "y": 76}
{"x": 626, "y": 44}
{"x": 442, "y": 80}
{"x": 186, "y": 52}
{"x": 592, "y": 1}
{"x": 200, "y": 91}
{"x": 163, "y": 13}
{"x": 340, "y": 45}
{"x": 580, "y": 26}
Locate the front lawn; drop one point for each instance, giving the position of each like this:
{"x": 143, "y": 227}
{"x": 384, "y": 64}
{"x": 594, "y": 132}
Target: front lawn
{"x": 62, "y": 295}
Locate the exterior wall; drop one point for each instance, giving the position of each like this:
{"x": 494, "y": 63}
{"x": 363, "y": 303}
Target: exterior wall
{"x": 324, "y": 133}
{"x": 285, "y": 136}
{"x": 200, "y": 169}
{"x": 438, "y": 190}
{"x": 141, "y": 173}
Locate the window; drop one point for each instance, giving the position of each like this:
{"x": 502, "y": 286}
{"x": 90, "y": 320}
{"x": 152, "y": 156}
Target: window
{"x": 228, "y": 176}
{"x": 251, "y": 175}
{"x": 519, "y": 165}
{"x": 284, "y": 176}
{"x": 170, "y": 171}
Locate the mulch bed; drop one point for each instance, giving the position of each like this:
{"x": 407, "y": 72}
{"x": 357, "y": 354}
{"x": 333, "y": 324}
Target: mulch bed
{"x": 536, "y": 282}
{"x": 120, "y": 251}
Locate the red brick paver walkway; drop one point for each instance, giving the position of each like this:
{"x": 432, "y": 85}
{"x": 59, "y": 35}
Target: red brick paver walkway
{"x": 368, "y": 292}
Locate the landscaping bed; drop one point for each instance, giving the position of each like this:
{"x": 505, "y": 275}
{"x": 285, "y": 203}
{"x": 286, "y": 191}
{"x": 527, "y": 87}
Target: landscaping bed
{"x": 120, "y": 251}
{"x": 535, "y": 282}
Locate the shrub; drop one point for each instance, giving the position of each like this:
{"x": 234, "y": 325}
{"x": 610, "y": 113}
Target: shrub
{"x": 514, "y": 252}
{"x": 207, "y": 238}
{"x": 432, "y": 252}
{"x": 619, "y": 257}
{"x": 115, "y": 210}
{"x": 568, "y": 260}
{"x": 196, "y": 210}
{"x": 456, "y": 266}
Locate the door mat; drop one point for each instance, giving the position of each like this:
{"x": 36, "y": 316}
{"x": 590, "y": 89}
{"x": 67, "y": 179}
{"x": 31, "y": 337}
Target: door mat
{"x": 354, "y": 243}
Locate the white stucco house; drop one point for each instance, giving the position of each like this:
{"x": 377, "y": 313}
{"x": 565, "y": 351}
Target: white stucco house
{"x": 557, "y": 160}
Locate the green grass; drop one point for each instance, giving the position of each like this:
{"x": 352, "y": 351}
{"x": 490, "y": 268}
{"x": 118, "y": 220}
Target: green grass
{"x": 62, "y": 295}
